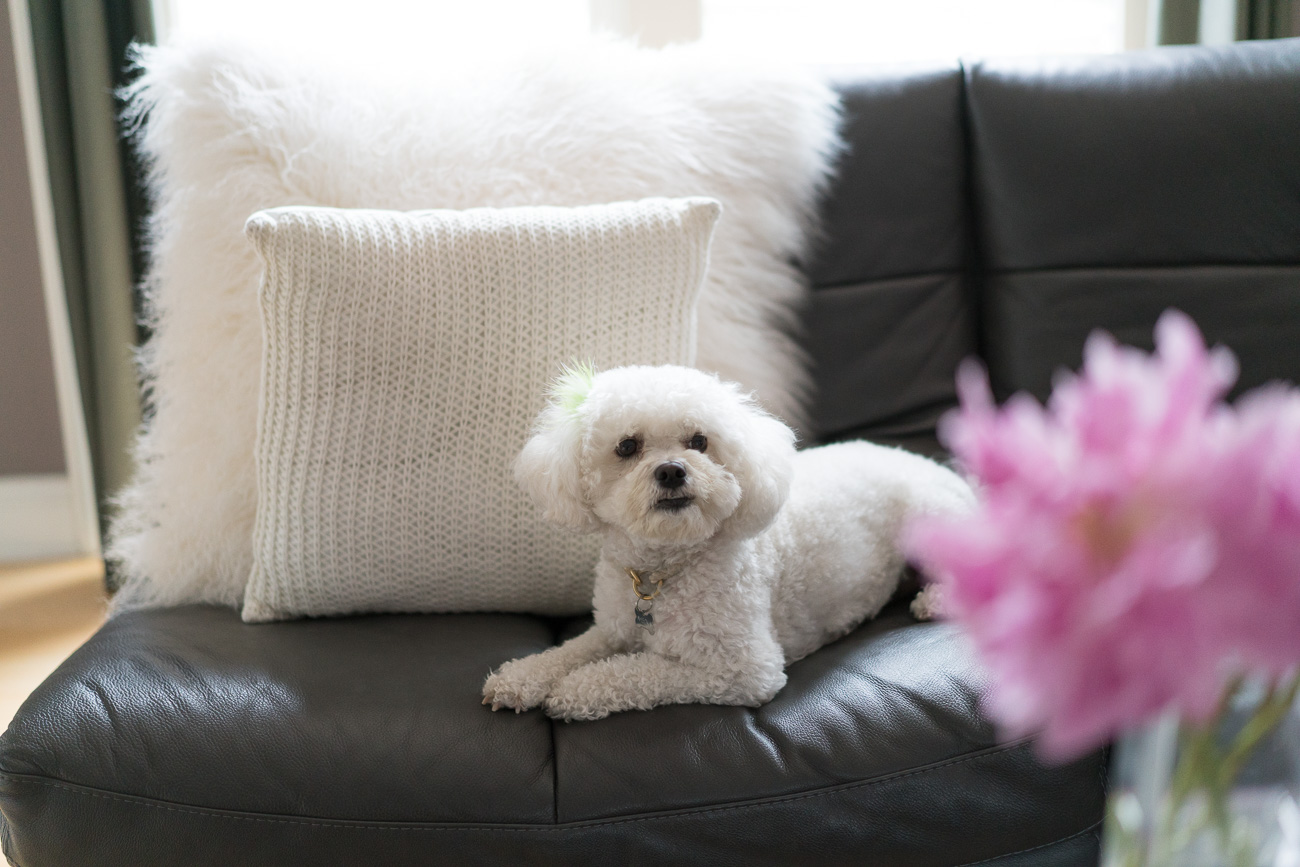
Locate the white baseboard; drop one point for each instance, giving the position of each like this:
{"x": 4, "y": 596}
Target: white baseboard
{"x": 38, "y": 519}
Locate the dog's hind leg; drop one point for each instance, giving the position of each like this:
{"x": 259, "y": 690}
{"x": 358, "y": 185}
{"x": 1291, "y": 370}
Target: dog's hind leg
{"x": 928, "y": 604}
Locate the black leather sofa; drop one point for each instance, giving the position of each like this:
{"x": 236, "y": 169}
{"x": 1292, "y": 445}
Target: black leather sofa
{"x": 999, "y": 208}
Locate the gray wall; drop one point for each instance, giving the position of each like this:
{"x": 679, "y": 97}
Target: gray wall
{"x": 30, "y": 440}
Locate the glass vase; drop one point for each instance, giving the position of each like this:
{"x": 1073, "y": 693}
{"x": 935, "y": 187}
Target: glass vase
{"x": 1223, "y": 793}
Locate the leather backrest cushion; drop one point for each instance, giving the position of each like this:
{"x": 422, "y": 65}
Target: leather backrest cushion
{"x": 1107, "y": 189}
{"x": 891, "y": 314}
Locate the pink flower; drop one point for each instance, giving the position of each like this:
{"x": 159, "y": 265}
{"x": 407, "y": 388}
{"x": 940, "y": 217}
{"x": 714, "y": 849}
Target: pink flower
{"x": 1137, "y": 540}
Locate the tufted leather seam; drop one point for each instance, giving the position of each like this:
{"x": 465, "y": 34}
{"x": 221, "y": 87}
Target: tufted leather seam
{"x": 1088, "y": 830}
{"x": 581, "y": 823}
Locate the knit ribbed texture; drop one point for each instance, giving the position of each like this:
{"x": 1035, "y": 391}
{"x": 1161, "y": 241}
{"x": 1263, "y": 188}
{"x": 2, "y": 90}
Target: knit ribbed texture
{"x": 406, "y": 355}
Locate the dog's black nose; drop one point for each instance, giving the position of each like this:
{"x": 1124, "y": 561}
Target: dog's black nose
{"x": 670, "y": 474}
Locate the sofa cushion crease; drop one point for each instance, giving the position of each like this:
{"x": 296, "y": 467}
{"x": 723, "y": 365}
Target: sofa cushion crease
{"x": 378, "y": 824}
{"x": 1089, "y": 837}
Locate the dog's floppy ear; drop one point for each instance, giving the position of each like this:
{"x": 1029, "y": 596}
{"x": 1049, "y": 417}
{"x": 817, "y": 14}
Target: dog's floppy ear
{"x": 549, "y": 467}
{"x": 548, "y": 470}
{"x": 763, "y": 463}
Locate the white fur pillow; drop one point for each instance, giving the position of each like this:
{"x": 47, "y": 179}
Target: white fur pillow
{"x": 229, "y": 131}
{"x": 406, "y": 355}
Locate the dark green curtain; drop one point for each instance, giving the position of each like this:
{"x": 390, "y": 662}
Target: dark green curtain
{"x": 1266, "y": 19}
{"x": 81, "y": 61}
{"x": 1179, "y": 21}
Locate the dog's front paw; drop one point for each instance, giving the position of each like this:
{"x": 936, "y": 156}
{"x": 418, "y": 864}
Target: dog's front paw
{"x": 521, "y": 684}
{"x": 576, "y": 697}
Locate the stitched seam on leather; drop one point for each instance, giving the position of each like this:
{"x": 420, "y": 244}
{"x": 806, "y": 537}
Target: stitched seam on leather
{"x": 555, "y": 778}
{"x": 897, "y": 278}
{"x": 1124, "y": 270}
{"x": 689, "y": 812}
{"x": 908, "y": 417}
{"x": 1088, "y": 830}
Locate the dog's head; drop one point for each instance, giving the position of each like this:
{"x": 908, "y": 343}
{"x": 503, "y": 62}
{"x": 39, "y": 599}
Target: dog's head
{"x": 667, "y": 454}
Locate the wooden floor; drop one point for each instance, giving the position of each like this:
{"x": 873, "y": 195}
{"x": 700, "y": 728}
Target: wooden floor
{"x": 46, "y": 611}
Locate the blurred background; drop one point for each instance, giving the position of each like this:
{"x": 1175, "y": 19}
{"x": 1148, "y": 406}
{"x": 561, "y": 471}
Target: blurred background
{"x": 69, "y": 403}
{"x": 814, "y": 31}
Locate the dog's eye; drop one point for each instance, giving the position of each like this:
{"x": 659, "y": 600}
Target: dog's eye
{"x": 627, "y": 448}
{"x": 699, "y": 442}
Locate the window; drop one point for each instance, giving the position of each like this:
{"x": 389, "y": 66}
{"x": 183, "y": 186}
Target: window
{"x": 815, "y": 31}
{"x": 369, "y": 29}
{"x": 858, "y": 31}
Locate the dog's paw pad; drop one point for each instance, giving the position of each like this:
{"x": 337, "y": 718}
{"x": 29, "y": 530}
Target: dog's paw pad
{"x": 499, "y": 698}
{"x": 506, "y": 690}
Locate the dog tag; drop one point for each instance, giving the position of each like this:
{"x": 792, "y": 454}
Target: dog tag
{"x": 644, "y": 618}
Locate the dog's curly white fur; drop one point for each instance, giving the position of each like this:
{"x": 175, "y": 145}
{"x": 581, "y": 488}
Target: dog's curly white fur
{"x": 769, "y": 553}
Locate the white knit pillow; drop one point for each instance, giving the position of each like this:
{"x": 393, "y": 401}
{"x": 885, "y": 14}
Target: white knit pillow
{"x": 228, "y": 131}
{"x": 406, "y": 355}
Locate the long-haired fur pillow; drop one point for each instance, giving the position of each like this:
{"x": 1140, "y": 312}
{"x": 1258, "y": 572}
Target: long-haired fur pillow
{"x": 227, "y": 131}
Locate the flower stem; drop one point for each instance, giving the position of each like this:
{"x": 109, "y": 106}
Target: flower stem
{"x": 1204, "y": 766}
{"x": 1270, "y": 713}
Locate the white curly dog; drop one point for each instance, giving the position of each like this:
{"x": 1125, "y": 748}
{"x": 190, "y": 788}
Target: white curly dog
{"x": 727, "y": 554}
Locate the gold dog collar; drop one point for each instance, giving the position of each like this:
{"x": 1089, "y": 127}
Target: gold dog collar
{"x": 643, "y": 608}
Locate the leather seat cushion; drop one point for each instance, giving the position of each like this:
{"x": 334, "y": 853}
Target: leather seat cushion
{"x": 187, "y": 736}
